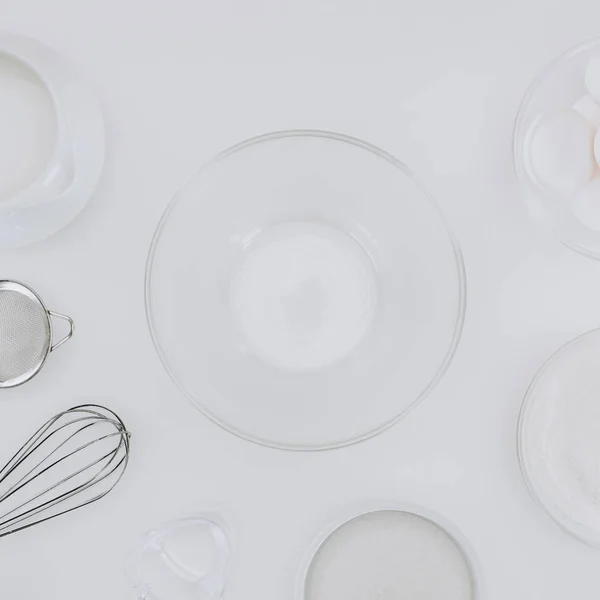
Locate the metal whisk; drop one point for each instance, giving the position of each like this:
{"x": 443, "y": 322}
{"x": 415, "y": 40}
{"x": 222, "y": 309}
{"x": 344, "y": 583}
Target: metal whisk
{"x": 74, "y": 459}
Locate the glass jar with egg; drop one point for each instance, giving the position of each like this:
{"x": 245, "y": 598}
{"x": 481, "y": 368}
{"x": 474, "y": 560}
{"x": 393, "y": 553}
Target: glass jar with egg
{"x": 557, "y": 148}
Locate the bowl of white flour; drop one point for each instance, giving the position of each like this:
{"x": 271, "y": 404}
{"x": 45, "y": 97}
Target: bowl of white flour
{"x": 390, "y": 553}
{"x": 558, "y": 441}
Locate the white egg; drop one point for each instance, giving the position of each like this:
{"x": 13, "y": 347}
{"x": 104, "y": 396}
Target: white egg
{"x": 589, "y": 109}
{"x": 592, "y": 77}
{"x": 597, "y": 147}
{"x": 586, "y": 204}
{"x": 561, "y": 152}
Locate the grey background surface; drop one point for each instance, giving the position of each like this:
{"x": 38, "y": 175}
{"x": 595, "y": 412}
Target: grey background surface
{"x": 436, "y": 83}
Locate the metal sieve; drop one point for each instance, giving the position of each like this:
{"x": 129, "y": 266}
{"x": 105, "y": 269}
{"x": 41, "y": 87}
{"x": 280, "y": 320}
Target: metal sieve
{"x": 25, "y": 333}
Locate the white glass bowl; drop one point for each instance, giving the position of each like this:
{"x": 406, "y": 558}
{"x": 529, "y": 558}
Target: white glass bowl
{"x": 62, "y": 188}
{"x": 392, "y": 551}
{"x": 304, "y": 291}
{"x": 557, "y": 429}
{"x": 559, "y": 87}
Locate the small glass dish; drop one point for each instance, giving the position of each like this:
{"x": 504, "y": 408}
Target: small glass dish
{"x": 304, "y": 291}
{"x": 560, "y": 87}
{"x": 401, "y": 538}
{"x": 184, "y": 559}
{"x": 556, "y": 423}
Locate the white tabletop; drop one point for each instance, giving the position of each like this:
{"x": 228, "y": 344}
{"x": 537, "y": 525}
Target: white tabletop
{"x": 435, "y": 83}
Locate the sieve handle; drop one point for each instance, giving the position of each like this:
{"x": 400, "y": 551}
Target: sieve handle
{"x": 69, "y": 334}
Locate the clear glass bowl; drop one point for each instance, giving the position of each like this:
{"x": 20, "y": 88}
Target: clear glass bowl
{"x": 559, "y": 86}
{"x": 184, "y": 559}
{"x": 336, "y": 560}
{"x": 304, "y": 291}
{"x": 566, "y": 493}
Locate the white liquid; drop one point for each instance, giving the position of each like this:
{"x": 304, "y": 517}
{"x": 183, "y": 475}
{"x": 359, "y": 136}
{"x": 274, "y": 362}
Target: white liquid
{"x": 304, "y": 296}
{"x": 28, "y": 127}
{"x": 389, "y": 555}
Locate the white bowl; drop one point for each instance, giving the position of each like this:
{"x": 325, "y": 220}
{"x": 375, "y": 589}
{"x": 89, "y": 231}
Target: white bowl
{"x": 556, "y": 433}
{"x": 66, "y": 183}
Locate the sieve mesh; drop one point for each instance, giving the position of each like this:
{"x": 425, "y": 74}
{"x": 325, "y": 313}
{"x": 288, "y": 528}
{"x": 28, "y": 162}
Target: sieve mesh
{"x": 24, "y": 335}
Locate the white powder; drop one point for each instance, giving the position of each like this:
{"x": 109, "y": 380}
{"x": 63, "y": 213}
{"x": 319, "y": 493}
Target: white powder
{"x": 304, "y": 296}
{"x": 560, "y": 436}
{"x": 389, "y": 555}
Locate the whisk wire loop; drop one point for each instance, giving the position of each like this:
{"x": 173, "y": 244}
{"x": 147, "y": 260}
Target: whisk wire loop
{"x": 76, "y": 458}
